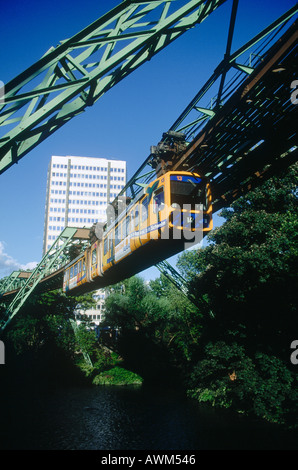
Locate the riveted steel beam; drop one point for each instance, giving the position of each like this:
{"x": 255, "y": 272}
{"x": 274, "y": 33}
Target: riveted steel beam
{"x": 189, "y": 121}
{"x": 50, "y": 263}
{"x": 76, "y": 73}
{"x": 13, "y": 281}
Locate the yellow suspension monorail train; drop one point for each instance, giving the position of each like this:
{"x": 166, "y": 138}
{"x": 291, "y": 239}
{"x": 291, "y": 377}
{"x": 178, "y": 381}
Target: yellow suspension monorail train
{"x": 171, "y": 213}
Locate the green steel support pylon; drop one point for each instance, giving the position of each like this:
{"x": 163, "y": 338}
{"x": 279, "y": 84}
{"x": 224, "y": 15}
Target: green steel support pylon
{"x": 175, "y": 278}
{"x": 172, "y": 275}
{"x": 191, "y": 127}
{"x": 53, "y": 259}
{"x": 76, "y": 73}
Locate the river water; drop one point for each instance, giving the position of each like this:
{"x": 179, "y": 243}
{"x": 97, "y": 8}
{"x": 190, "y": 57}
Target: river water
{"x": 127, "y": 418}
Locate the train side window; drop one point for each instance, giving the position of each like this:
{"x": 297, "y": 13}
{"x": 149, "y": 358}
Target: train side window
{"x": 145, "y": 209}
{"x": 84, "y": 266}
{"x": 75, "y": 269}
{"x": 118, "y": 235}
{"x": 71, "y": 272}
{"x": 111, "y": 241}
{"x": 80, "y": 266}
{"x": 94, "y": 256}
{"x": 158, "y": 200}
{"x": 125, "y": 227}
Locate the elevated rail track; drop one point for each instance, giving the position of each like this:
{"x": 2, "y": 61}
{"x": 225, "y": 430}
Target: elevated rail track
{"x": 246, "y": 134}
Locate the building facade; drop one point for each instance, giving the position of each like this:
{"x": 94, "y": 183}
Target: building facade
{"x": 96, "y": 314}
{"x": 78, "y": 191}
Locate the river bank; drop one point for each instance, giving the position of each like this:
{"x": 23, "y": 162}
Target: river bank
{"x": 59, "y": 410}
{"x": 127, "y": 418}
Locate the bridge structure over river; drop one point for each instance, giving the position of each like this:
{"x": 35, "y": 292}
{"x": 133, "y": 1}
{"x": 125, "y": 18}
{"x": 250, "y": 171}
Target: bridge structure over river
{"x": 238, "y": 135}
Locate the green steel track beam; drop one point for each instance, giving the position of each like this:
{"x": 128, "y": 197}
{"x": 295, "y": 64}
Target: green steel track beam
{"x": 178, "y": 281}
{"x": 173, "y": 276}
{"x": 75, "y": 74}
{"x": 253, "y": 134}
{"x": 195, "y": 117}
{"x": 228, "y": 63}
{"x": 10, "y": 282}
{"x": 51, "y": 262}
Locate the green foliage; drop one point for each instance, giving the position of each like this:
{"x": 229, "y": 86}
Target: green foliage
{"x": 159, "y": 312}
{"x": 262, "y": 385}
{"x": 248, "y": 277}
{"x": 233, "y": 346}
{"x": 44, "y": 320}
{"x": 85, "y": 302}
{"x": 86, "y": 339}
{"x": 248, "y": 273}
{"x": 211, "y": 377}
{"x": 117, "y": 376}
{"x": 104, "y": 359}
{"x": 275, "y": 393}
{"x": 133, "y": 305}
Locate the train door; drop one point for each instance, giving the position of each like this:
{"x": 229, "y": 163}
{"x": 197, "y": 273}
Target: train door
{"x": 112, "y": 246}
{"x": 107, "y": 251}
{"x": 144, "y": 220}
{"x": 73, "y": 276}
{"x": 117, "y": 242}
{"x": 158, "y": 216}
{"x": 83, "y": 272}
{"x": 66, "y": 280}
{"x": 96, "y": 260}
{"x": 99, "y": 257}
{"x": 88, "y": 266}
{"x": 79, "y": 274}
{"x": 135, "y": 228}
{"x": 126, "y": 226}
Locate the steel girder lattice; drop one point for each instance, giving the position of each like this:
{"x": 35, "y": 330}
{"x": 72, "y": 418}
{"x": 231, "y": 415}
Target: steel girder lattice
{"x": 56, "y": 257}
{"x": 80, "y": 70}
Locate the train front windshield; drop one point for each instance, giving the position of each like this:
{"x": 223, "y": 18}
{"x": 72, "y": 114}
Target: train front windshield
{"x": 190, "y": 190}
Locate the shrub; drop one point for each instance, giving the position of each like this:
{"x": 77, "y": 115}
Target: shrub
{"x": 261, "y": 386}
{"x": 117, "y": 376}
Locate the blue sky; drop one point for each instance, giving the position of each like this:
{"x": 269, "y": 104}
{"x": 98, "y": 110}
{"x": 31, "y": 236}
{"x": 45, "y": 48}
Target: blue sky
{"x": 125, "y": 122}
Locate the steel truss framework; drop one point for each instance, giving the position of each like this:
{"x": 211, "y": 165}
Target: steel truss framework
{"x": 233, "y": 120}
{"x": 50, "y": 265}
{"x": 248, "y": 131}
{"x": 248, "y": 125}
{"x": 253, "y": 135}
{"x": 75, "y": 74}
{"x": 13, "y": 281}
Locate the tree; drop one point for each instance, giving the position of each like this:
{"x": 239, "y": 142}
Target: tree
{"x": 44, "y": 321}
{"x": 183, "y": 326}
{"x": 132, "y": 307}
{"x": 248, "y": 277}
{"x": 248, "y": 272}
{"x": 158, "y": 326}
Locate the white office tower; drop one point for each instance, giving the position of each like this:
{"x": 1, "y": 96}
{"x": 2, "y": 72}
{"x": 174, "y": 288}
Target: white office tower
{"x": 78, "y": 191}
